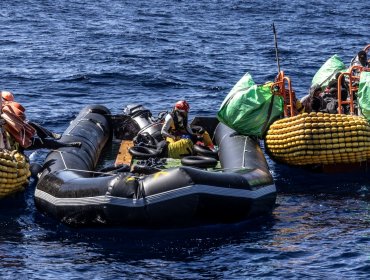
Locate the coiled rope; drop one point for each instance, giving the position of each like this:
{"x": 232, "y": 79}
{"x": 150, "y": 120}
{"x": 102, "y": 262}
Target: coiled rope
{"x": 14, "y": 172}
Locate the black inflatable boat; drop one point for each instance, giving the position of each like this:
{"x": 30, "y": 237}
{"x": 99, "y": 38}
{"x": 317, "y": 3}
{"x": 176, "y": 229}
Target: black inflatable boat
{"x": 70, "y": 189}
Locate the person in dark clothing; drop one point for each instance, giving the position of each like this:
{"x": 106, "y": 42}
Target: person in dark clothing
{"x": 313, "y": 101}
{"x": 360, "y": 59}
{"x": 45, "y": 139}
{"x": 330, "y": 95}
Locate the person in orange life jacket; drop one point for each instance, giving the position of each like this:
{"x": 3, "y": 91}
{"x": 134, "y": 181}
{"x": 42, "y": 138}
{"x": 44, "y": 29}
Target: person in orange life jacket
{"x": 43, "y": 138}
{"x": 176, "y": 126}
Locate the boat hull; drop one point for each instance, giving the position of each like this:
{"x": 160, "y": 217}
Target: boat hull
{"x": 70, "y": 190}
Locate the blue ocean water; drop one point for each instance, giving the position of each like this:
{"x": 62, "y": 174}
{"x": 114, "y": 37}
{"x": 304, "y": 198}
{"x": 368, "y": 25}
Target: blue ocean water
{"x": 58, "y": 56}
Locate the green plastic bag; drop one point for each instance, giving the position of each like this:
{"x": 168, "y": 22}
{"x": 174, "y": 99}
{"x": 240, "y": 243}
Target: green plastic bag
{"x": 328, "y": 70}
{"x": 363, "y": 94}
{"x": 246, "y": 108}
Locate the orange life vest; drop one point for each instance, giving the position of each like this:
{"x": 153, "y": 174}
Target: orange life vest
{"x": 14, "y": 108}
{"x": 13, "y": 114}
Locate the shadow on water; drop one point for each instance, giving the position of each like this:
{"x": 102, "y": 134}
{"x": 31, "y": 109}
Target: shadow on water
{"x": 11, "y": 208}
{"x": 337, "y": 180}
{"x": 128, "y": 244}
{"x": 292, "y": 180}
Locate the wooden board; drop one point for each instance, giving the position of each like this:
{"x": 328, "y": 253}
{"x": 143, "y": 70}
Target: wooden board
{"x": 123, "y": 156}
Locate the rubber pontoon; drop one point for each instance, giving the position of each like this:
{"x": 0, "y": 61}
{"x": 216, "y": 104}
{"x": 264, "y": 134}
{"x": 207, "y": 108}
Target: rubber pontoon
{"x": 70, "y": 190}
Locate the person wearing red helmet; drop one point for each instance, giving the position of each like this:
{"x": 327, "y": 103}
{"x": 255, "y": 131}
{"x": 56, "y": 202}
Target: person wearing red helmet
{"x": 7, "y": 95}
{"x": 176, "y": 122}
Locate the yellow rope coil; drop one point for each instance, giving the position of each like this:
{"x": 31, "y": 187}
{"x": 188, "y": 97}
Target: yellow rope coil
{"x": 14, "y": 172}
{"x": 319, "y": 138}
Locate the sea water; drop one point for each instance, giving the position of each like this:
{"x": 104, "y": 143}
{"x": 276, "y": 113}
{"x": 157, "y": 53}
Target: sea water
{"x": 57, "y": 56}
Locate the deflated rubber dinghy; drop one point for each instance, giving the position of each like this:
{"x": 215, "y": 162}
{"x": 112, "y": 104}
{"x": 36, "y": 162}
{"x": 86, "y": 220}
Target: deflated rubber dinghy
{"x": 70, "y": 189}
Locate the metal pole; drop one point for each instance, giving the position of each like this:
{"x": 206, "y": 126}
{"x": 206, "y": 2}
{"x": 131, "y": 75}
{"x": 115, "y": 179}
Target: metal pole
{"x": 276, "y": 47}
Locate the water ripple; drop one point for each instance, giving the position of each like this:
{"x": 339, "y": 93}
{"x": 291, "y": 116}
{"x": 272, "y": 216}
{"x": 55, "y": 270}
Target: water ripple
{"x": 58, "y": 56}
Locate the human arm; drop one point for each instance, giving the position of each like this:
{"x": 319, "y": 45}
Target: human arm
{"x": 190, "y": 130}
{"x": 168, "y": 121}
{"x": 306, "y": 103}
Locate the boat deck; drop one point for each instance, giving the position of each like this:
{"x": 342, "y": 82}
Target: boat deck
{"x": 123, "y": 156}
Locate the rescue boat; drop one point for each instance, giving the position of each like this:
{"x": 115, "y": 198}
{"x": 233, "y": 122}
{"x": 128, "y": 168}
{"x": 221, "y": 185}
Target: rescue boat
{"x": 86, "y": 186}
{"x": 318, "y": 143}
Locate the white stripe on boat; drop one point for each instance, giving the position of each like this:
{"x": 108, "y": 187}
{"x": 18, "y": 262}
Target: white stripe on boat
{"x": 156, "y": 198}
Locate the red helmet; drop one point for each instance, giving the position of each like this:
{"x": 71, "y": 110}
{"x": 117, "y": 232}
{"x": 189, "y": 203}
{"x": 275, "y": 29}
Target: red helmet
{"x": 182, "y": 105}
{"x": 7, "y": 95}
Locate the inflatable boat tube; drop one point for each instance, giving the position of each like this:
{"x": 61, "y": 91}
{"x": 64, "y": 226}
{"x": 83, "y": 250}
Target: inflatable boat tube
{"x": 70, "y": 189}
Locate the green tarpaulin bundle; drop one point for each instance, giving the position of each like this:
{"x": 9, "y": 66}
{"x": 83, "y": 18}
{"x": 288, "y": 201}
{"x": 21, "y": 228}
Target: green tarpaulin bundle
{"x": 246, "y": 107}
{"x": 363, "y": 94}
{"x": 327, "y": 72}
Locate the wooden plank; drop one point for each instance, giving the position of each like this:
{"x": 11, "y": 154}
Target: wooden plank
{"x": 123, "y": 156}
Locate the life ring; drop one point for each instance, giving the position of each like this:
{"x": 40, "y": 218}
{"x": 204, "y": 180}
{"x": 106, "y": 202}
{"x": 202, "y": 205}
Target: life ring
{"x": 199, "y": 161}
{"x": 205, "y": 151}
{"x": 142, "y": 152}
